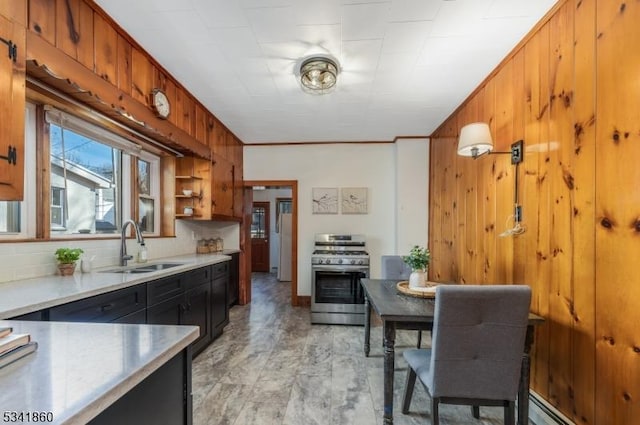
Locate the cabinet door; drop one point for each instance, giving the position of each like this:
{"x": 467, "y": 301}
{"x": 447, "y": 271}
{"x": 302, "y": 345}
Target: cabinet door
{"x": 234, "y": 275}
{"x": 219, "y": 305}
{"x": 163, "y": 289}
{"x": 101, "y": 308}
{"x": 168, "y": 312}
{"x": 222, "y": 187}
{"x": 12, "y": 105}
{"x": 197, "y": 313}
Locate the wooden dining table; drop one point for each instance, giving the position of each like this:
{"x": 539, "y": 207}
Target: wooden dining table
{"x": 400, "y": 311}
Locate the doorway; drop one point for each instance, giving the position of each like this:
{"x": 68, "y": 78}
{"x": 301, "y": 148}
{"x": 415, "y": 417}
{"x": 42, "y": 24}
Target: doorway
{"x": 260, "y": 231}
{"x": 293, "y": 259}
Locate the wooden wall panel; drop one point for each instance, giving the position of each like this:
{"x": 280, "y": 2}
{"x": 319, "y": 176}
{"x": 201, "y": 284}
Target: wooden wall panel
{"x": 617, "y": 213}
{"x": 42, "y": 19}
{"x": 584, "y": 260}
{"x": 535, "y": 195}
{"x": 487, "y": 191}
{"x": 105, "y": 49}
{"x": 504, "y": 172}
{"x": 125, "y": 78}
{"x": 562, "y": 183}
{"x": 142, "y": 76}
{"x": 570, "y": 91}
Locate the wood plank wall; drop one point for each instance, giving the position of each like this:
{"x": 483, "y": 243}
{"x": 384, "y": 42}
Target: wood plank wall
{"x": 85, "y": 33}
{"x": 571, "y": 90}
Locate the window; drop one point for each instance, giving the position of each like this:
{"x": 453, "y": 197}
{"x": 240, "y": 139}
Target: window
{"x": 148, "y": 193}
{"x": 91, "y": 179}
{"x": 57, "y": 207}
{"x": 10, "y": 216}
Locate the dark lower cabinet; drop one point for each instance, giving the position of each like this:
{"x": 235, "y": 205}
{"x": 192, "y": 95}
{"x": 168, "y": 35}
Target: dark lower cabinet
{"x": 198, "y": 297}
{"x": 101, "y": 308}
{"x": 163, "y": 398}
{"x": 168, "y": 312}
{"x": 198, "y": 312}
{"x": 234, "y": 279}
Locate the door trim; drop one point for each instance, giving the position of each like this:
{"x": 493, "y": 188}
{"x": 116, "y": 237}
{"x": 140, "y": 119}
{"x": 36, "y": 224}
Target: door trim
{"x": 294, "y": 231}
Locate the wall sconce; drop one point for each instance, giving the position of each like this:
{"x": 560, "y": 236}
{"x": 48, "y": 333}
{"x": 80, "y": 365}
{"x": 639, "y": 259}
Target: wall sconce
{"x": 475, "y": 140}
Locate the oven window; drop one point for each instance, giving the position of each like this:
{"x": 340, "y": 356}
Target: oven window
{"x": 336, "y": 287}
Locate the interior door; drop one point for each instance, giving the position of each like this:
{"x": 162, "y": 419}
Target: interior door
{"x": 260, "y": 237}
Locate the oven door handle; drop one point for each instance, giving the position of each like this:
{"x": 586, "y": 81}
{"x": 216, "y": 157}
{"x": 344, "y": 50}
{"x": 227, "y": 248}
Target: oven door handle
{"x": 339, "y": 269}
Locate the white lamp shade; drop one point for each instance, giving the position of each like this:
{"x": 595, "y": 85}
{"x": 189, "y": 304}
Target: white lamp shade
{"x": 475, "y": 139}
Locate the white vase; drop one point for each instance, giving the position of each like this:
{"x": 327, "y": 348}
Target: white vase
{"x": 417, "y": 279}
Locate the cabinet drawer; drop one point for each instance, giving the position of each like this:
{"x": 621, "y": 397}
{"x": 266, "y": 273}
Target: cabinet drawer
{"x": 163, "y": 289}
{"x": 197, "y": 277}
{"x": 101, "y": 308}
{"x": 220, "y": 269}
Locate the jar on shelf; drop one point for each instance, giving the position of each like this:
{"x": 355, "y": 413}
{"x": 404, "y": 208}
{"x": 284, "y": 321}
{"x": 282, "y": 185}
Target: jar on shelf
{"x": 202, "y": 247}
{"x": 211, "y": 245}
{"x": 219, "y": 244}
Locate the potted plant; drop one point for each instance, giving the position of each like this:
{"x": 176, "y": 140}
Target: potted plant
{"x": 418, "y": 259}
{"x": 67, "y": 258}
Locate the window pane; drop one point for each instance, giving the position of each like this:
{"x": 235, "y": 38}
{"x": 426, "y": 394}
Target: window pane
{"x": 144, "y": 177}
{"x": 147, "y": 211}
{"x": 9, "y": 216}
{"x": 85, "y": 179}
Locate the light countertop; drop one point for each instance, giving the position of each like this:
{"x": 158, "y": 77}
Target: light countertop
{"x": 25, "y": 296}
{"x": 80, "y": 369}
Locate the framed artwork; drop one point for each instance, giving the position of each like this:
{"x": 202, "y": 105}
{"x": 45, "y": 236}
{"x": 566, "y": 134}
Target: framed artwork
{"x": 325, "y": 200}
{"x": 354, "y": 200}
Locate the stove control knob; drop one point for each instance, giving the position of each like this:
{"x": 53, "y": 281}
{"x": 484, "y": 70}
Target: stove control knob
{"x": 327, "y": 261}
{"x": 360, "y": 261}
{"x": 353, "y": 261}
{"x": 339, "y": 260}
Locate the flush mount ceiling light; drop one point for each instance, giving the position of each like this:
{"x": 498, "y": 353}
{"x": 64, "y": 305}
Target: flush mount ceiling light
{"x": 318, "y": 74}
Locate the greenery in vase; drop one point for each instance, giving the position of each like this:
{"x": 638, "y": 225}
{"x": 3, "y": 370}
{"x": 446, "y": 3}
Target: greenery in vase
{"x": 68, "y": 255}
{"x": 418, "y": 258}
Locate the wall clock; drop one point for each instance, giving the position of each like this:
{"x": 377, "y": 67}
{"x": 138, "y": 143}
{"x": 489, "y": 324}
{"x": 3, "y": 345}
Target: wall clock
{"x": 160, "y": 103}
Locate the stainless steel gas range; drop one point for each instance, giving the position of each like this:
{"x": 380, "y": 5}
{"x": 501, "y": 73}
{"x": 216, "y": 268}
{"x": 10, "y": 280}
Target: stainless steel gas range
{"x": 337, "y": 265}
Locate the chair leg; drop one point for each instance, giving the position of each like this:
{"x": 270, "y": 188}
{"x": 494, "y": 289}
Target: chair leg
{"x": 510, "y": 413}
{"x": 408, "y": 390}
{"x": 435, "y": 417}
{"x": 419, "y": 339}
{"x": 475, "y": 411}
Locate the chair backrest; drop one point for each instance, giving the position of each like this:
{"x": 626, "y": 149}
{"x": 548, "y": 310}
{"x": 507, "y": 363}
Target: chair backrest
{"x": 478, "y": 341}
{"x": 394, "y": 267}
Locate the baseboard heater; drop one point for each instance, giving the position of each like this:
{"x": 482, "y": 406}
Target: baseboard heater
{"x": 543, "y": 413}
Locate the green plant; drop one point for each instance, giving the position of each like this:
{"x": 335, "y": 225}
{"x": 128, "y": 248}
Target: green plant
{"x": 418, "y": 258}
{"x": 68, "y": 255}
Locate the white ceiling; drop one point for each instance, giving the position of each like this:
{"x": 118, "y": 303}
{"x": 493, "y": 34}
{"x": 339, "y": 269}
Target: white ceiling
{"x": 405, "y": 64}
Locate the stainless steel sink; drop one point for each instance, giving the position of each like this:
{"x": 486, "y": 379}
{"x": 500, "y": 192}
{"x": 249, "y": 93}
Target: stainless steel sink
{"x": 146, "y": 268}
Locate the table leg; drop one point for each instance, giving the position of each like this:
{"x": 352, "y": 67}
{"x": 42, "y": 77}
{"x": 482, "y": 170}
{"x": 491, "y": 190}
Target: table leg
{"x": 389, "y": 365}
{"x": 367, "y": 326}
{"x": 523, "y": 390}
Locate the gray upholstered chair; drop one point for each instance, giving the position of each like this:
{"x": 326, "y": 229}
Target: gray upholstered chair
{"x": 476, "y": 348}
{"x": 394, "y": 267}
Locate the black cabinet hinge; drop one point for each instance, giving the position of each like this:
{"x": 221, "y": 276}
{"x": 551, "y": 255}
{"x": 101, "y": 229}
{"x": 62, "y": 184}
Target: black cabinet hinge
{"x": 13, "y": 49}
{"x": 12, "y": 156}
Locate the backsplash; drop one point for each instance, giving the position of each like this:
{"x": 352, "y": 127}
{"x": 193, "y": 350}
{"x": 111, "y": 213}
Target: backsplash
{"x": 26, "y": 260}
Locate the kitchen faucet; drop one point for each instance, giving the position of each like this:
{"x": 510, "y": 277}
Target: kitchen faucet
{"x": 123, "y": 241}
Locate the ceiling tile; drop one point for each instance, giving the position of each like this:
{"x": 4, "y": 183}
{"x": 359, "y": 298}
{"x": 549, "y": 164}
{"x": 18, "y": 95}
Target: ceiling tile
{"x": 405, "y": 37}
{"x": 364, "y": 21}
{"x": 414, "y": 10}
{"x": 272, "y": 24}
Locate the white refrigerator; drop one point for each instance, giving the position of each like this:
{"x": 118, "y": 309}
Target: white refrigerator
{"x": 284, "y": 266}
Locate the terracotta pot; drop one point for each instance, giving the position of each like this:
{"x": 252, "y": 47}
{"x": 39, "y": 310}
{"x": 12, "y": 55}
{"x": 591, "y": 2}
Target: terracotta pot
{"x": 66, "y": 269}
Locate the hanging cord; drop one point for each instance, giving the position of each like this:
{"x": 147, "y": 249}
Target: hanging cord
{"x": 65, "y": 199}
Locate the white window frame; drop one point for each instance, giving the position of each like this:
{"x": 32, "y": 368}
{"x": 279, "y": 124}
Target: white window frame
{"x": 130, "y": 151}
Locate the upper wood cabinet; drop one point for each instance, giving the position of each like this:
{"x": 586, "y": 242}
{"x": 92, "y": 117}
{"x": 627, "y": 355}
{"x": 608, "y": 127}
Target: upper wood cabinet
{"x": 222, "y": 187}
{"x": 12, "y": 105}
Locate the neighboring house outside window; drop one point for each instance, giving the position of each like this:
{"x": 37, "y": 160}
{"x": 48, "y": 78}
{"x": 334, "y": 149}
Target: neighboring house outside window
{"x": 57, "y": 208}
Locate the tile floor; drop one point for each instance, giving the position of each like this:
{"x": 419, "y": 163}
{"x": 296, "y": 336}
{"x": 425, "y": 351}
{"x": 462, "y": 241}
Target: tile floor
{"x": 272, "y": 367}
